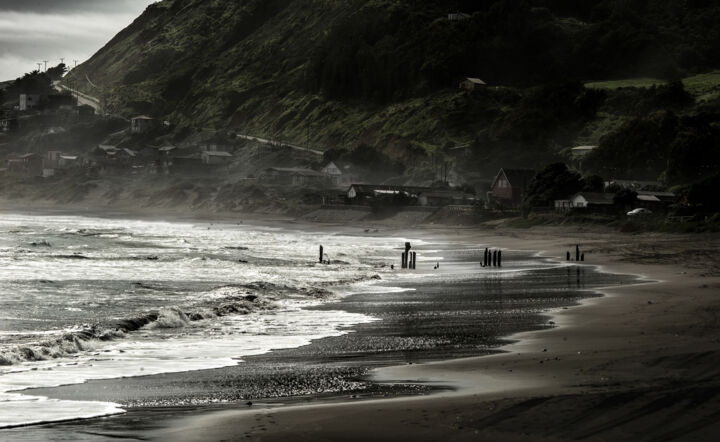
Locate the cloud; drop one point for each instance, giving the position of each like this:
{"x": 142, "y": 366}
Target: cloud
{"x": 35, "y": 30}
{"x": 63, "y": 6}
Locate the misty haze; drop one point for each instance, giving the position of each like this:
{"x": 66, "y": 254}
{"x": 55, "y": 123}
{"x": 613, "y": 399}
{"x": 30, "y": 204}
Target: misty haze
{"x": 359, "y": 220}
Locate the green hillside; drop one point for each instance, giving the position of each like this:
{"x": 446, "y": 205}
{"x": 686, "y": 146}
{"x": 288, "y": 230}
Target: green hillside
{"x": 385, "y": 72}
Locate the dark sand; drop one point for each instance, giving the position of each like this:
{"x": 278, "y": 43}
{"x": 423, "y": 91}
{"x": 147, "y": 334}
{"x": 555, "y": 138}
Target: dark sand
{"x": 638, "y": 364}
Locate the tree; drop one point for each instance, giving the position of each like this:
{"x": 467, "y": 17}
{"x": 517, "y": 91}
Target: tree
{"x": 552, "y": 183}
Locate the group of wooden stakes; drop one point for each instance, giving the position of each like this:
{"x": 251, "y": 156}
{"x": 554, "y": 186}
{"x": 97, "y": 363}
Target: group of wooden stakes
{"x": 491, "y": 258}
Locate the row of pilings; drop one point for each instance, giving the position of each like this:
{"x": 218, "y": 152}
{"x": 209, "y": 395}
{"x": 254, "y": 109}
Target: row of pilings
{"x": 492, "y": 258}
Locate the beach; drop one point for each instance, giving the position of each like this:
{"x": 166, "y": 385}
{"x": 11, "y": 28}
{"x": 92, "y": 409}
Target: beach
{"x": 638, "y": 364}
{"x": 613, "y": 366}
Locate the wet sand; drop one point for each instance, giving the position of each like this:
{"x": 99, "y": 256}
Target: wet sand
{"x": 638, "y": 363}
{"x": 641, "y": 363}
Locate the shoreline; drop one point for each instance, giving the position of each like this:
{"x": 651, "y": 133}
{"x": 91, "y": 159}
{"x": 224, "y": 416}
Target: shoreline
{"x": 524, "y": 356}
{"x": 596, "y": 356}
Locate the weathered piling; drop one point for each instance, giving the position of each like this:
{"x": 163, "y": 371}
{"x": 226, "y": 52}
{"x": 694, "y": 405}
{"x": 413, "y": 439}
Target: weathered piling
{"x": 414, "y": 256}
{"x": 582, "y": 256}
{"x": 403, "y": 260}
{"x": 494, "y": 258}
{"x": 567, "y": 255}
{"x": 499, "y": 258}
{"x": 577, "y": 253}
{"x": 406, "y": 259}
{"x": 485, "y": 259}
{"x": 321, "y": 254}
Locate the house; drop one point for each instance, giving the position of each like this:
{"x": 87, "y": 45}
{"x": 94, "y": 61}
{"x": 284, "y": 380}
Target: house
{"x": 578, "y": 154}
{"x": 51, "y": 160}
{"x": 655, "y": 200}
{"x": 339, "y": 173}
{"x": 365, "y": 193}
{"x": 457, "y": 16}
{"x": 29, "y": 101}
{"x": 30, "y": 164}
{"x": 469, "y": 84}
{"x": 293, "y": 176}
{"x": 590, "y": 200}
{"x": 441, "y": 198}
{"x": 510, "y": 186}
{"x": 580, "y": 151}
{"x": 9, "y": 124}
{"x": 635, "y": 185}
{"x": 85, "y": 112}
{"x": 141, "y": 124}
{"x": 68, "y": 161}
{"x": 215, "y": 157}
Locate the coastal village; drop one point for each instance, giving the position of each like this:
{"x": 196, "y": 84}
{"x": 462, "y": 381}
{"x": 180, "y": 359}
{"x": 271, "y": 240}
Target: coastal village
{"x": 136, "y": 149}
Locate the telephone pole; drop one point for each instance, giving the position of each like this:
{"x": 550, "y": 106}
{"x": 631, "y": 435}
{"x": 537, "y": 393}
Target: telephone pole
{"x": 45, "y": 61}
{"x": 39, "y": 66}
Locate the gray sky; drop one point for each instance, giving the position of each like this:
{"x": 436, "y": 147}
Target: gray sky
{"x": 35, "y": 30}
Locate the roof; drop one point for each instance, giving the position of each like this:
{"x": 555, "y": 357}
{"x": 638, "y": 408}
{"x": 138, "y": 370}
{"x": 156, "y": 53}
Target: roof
{"x": 475, "y": 80}
{"x": 142, "y": 117}
{"x": 517, "y": 177}
{"x": 166, "y": 148}
{"x": 69, "y": 157}
{"x": 580, "y": 149}
{"x": 295, "y": 171}
{"x": 217, "y": 153}
{"x": 596, "y": 197}
{"x": 374, "y": 188}
{"x": 27, "y": 155}
{"x": 652, "y": 198}
{"x": 656, "y": 194}
{"x": 634, "y": 184}
{"x": 432, "y": 193}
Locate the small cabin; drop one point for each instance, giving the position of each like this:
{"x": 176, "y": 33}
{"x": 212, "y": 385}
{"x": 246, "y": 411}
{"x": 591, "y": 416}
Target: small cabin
{"x": 469, "y": 84}
{"x": 141, "y": 124}
{"x": 510, "y": 186}
{"x": 215, "y": 157}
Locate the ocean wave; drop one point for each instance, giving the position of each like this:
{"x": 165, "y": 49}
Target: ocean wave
{"x": 90, "y": 337}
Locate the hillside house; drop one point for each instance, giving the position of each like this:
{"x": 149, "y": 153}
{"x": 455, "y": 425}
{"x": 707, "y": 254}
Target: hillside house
{"x": 592, "y": 200}
{"x": 366, "y": 193}
{"x": 293, "y": 176}
{"x": 68, "y": 161}
{"x": 29, "y": 164}
{"x": 339, "y": 173}
{"x": 458, "y": 16}
{"x": 28, "y": 101}
{"x": 469, "y": 84}
{"x": 441, "y": 198}
{"x": 141, "y": 124}
{"x": 216, "y": 157}
{"x": 85, "y": 112}
{"x": 9, "y": 124}
{"x": 510, "y": 186}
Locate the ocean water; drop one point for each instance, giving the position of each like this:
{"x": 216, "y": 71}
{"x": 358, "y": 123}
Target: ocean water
{"x": 86, "y": 298}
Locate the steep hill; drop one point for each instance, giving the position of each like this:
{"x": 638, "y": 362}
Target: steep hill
{"x": 386, "y": 72}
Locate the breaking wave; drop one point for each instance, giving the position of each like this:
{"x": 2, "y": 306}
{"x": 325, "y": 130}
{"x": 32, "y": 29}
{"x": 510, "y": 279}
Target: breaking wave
{"x": 89, "y": 337}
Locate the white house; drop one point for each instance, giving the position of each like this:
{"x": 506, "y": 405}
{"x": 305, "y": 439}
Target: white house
{"x": 213, "y": 157}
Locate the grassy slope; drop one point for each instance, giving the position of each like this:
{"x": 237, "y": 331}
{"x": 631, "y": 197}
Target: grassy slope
{"x": 241, "y": 66}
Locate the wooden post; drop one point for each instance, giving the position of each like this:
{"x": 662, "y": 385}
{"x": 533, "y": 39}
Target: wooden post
{"x": 567, "y": 256}
{"x": 485, "y": 258}
{"x": 499, "y": 258}
{"x": 402, "y": 261}
{"x": 494, "y": 258}
{"x": 577, "y": 253}
{"x": 321, "y": 254}
{"x": 582, "y": 256}
{"x": 414, "y": 254}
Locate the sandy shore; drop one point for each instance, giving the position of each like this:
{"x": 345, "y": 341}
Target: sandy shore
{"x": 638, "y": 364}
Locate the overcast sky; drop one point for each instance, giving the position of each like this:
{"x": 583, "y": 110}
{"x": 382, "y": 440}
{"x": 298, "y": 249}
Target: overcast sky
{"x": 35, "y": 30}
